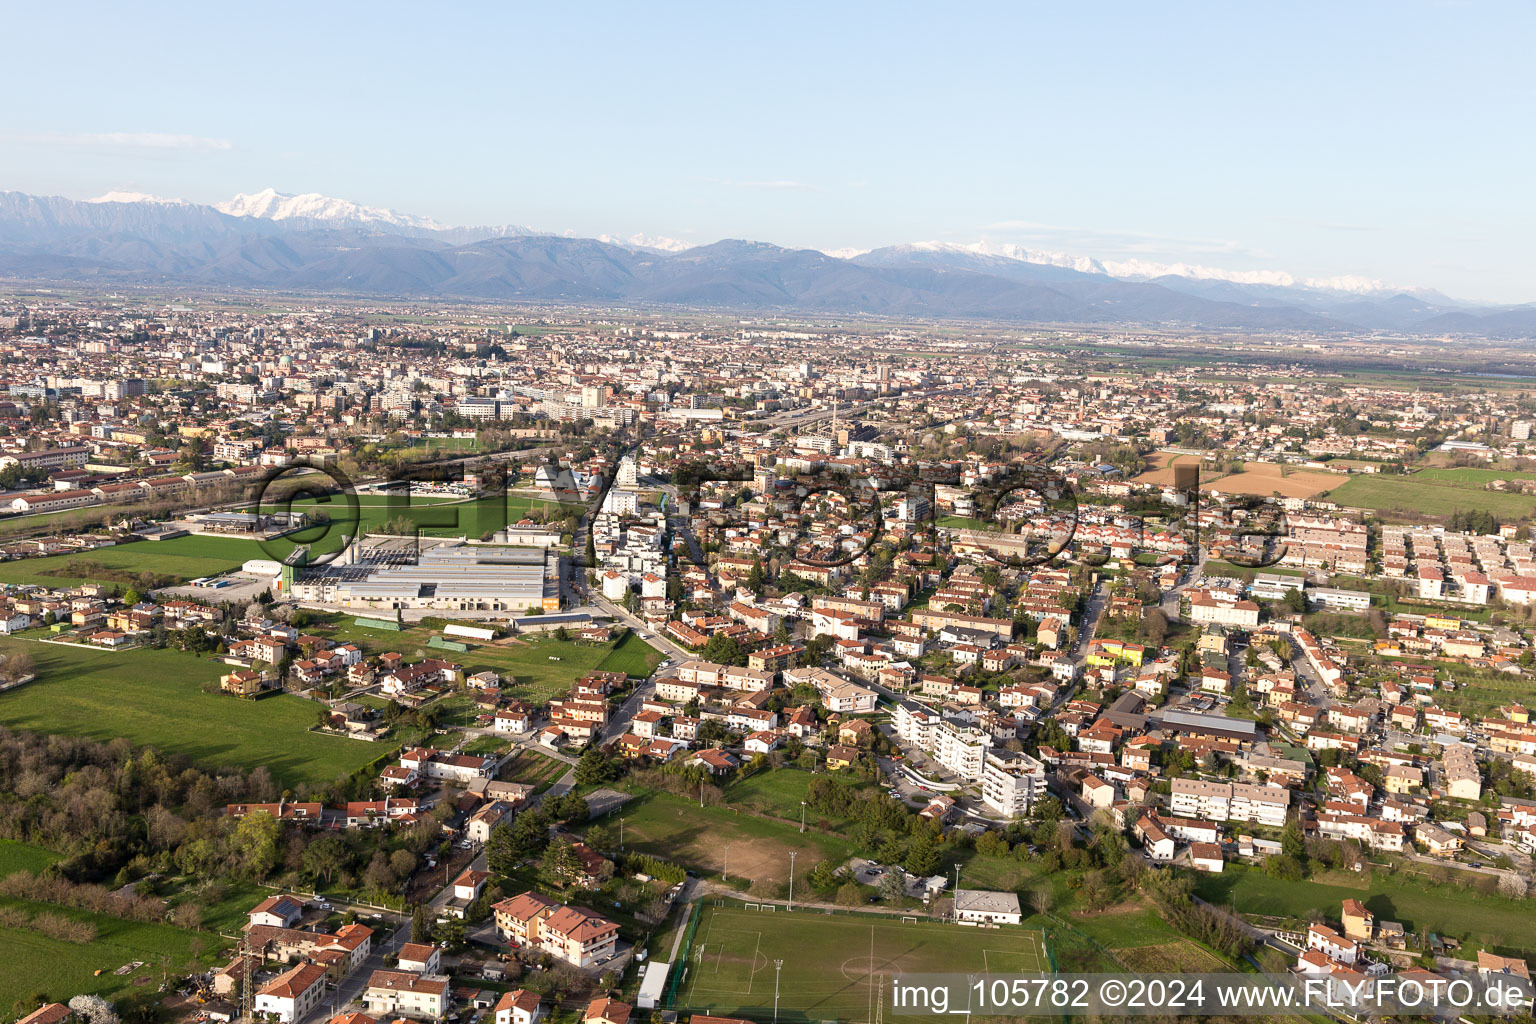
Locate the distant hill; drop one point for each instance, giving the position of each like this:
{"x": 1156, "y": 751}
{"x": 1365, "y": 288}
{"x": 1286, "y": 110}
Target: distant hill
{"x": 268, "y": 240}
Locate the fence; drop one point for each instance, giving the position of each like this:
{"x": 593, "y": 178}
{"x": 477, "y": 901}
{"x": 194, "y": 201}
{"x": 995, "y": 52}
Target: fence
{"x": 669, "y": 999}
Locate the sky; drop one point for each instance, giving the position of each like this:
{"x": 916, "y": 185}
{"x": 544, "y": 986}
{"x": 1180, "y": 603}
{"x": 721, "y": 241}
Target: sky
{"x": 1388, "y": 141}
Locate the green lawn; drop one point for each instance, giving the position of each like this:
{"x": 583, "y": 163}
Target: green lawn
{"x": 182, "y": 558}
{"x": 780, "y": 791}
{"x": 833, "y": 965}
{"x": 1431, "y": 492}
{"x": 185, "y": 558}
{"x": 1472, "y": 479}
{"x": 18, "y": 856}
{"x": 226, "y": 904}
{"x": 534, "y": 668}
{"x": 632, "y": 656}
{"x": 434, "y": 517}
{"x": 36, "y": 965}
{"x": 1490, "y": 921}
{"x": 156, "y": 698}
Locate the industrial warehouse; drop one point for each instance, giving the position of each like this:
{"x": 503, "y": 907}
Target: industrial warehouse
{"x": 453, "y": 576}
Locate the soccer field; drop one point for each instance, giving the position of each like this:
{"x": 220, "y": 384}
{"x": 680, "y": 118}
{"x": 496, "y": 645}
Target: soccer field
{"x": 833, "y": 965}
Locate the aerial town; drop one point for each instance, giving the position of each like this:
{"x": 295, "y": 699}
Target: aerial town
{"x": 364, "y": 662}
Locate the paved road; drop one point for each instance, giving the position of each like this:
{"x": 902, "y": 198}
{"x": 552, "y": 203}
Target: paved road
{"x": 1092, "y": 613}
{"x": 1175, "y": 595}
{"x": 351, "y": 988}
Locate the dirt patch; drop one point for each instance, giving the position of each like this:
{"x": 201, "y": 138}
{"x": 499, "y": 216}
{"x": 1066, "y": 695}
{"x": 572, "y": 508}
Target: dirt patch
{"x": 1260, "y": 478}
{"x": 1265, "y": 478}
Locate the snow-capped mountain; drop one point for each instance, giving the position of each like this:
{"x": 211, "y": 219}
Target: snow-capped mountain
{"x": 313, "y": 242}
{"x": 270, "y": 204}
{"x": 137, "y": 197}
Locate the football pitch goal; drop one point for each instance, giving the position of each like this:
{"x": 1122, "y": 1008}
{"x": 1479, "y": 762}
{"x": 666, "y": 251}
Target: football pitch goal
{"x": 832, "y": 966}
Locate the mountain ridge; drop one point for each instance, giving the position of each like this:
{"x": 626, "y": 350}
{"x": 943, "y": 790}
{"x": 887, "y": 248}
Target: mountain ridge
{"x": 313, "y": 242}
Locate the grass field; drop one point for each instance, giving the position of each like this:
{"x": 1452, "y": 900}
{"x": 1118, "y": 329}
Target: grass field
{"x": 632, "y": 656}
{"x": 1434, "y": 492}
{"x": 186, "y": 558}
{"x": 1140, "y": 939}
{"x": 680, "y": 830}
{"x": 18, "y": 856}
{"x": 156, "y": 698}
{"x": 434, "y": 517}
{"x": 536, "y": 668}
{"x": 1501, "y": 925}
{"x": 183, "y": 558}
{"x": 780, "y": 791}
{"x": 34, "y": 964}
{"x": 833, "y": 965}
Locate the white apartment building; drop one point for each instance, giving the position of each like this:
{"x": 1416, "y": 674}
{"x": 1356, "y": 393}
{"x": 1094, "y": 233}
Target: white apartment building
{"x": 1196, "y": 798}
{"x": 403, "y": 994}
{"x": 1261, "y": 805}
{"x": 1011, "y": 783}
{"x": 291, "y": 995}
{"x": 961, "y": 749}
{"x": 1229, "y": 801}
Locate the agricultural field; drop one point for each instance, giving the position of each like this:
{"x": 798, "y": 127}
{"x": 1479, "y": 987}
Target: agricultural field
{"x": 1160, "y": 467}
{"x": 1434, "y": 492}
{"x": 533, "y": 768}
{"x": 679, "y": 830}
{"x": 1258, "y": 478}
{"x": 1266, "y": 478}
{"x": 833, "y": 964}
{"x": 156, "y": 698}
{"x": 1499, "y": 924}
{"x": 35, "y": 964}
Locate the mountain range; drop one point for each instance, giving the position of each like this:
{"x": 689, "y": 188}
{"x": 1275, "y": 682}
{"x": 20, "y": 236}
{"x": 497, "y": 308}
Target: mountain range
{"x": 315, "y": 243}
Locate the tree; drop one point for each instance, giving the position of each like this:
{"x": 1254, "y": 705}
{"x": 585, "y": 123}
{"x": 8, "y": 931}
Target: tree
{"x": 850, "y": 894}
{"x": 594, "y": 767}
{"x": 823, "y": 875}
{"x": 892, "y": 888}
{"x": 602, "y": 837}
{"x": 1513, "y": 886}
{"x": 402, "y": 863}
{"x": 379, "y": 876}
{"x": 421, "y": 925}
{"x": 1293, "y": 842}
{"x": 559, "y": 865}
{"x": 724, "y": 650}
{"x": 923, "y": 857}
{"x": 991, "y": 844}
{"x": 255, "y": 844}
{"x": 325, "y": 856}
{"x": 94, "y": 1010}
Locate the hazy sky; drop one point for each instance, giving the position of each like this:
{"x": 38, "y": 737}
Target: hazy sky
{"x": 1387, "y": 140}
